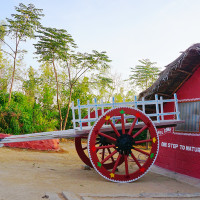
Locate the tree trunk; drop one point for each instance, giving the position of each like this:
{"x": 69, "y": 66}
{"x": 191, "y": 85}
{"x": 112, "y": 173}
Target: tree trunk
{"x": 14, "y": 66}
{"x": 58, "y": 103}
{"x": 68, "y": 107}
{"x": 12, "y": 80}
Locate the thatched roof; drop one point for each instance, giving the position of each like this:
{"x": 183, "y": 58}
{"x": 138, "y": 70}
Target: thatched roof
{"x": 175, "y": 74}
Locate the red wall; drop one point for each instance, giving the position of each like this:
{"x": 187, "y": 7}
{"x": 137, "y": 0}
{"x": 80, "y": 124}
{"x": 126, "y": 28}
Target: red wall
{"x": 45, "y": 145}
{"x": 191, "y": 88}
{"x": 180, "y": 152}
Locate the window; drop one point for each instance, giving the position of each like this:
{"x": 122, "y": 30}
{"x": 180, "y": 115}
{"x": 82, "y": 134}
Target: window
{"x": 189, "y": 111}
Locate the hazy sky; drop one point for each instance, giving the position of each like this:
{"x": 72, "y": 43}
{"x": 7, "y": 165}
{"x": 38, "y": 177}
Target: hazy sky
{"x": 128, "y": 30}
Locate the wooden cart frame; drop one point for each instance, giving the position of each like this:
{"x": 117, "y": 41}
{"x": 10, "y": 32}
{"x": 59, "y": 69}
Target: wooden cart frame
{"x": 115, "y": 147}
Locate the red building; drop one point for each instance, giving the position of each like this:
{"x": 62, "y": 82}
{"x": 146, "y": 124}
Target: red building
{"x": 179, "y": 149}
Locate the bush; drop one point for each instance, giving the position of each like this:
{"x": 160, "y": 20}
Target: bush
{"x": 24, "y": 116}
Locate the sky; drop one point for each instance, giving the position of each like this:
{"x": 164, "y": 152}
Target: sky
{"x": 128, "y": 30}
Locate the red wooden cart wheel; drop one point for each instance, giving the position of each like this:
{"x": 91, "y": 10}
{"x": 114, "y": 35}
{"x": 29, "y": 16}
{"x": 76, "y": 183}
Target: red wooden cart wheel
{"x": 82, "y": 151}
{"x": 126, "y": 145}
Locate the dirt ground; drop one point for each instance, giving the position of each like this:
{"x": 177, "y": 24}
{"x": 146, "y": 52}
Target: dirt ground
{"x": 28, "y": 175}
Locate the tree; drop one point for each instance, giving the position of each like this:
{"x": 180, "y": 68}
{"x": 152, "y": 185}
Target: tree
{"x": 30, "y": 85}
{"x": 46, "y": 88}
{"x": 119, "y": 88}
{"x": 115, "y": 87}
{"x": 5, "y": 72}
{"x": 20, "y": 27}
{"x": 56, "y": 46}
{"x": 144, "y": 74}
{"x": 80, "y": 64}
{"x": 4, "y": 63}
{"x": 2, "y": 32}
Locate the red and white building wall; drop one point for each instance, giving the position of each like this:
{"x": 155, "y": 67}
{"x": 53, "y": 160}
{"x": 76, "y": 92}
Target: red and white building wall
{"x": 179, "y": 149}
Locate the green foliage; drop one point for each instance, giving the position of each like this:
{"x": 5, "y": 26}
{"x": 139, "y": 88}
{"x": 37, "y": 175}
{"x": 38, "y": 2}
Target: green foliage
{"x": 3, "y": 98}
{"x": 145, "y": 74}
{"x": 23, "y": 116}
{"x": 130, "y": 95}
{"x": 5, "y": 67}
{"x": 2, "y": 32}
{"x": 30, "y": 85}
{"x": 82, "y": 91}
{"x": 46, "y": 86}
{"x": 23, "y": 24}
{"x": 5, "y": 72}
{"x": 54, "y": 44}
{"x": 141, "y": 136}
{"x": 57, "y": 47}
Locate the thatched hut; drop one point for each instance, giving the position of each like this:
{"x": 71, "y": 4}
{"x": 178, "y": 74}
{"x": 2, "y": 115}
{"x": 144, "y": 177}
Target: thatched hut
{"x": 180, "y": 146}
{"x": 175, "y": 74}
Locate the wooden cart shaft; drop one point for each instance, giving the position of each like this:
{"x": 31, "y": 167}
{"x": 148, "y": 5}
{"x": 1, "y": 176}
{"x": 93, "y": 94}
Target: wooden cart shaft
{"x": 72, "y": 133}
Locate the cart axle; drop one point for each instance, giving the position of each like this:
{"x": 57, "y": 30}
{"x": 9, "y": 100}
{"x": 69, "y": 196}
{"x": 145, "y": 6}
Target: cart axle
{"x": 124, "y": 144}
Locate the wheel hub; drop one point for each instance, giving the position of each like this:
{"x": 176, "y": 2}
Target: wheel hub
{"x": 124, "y": 144}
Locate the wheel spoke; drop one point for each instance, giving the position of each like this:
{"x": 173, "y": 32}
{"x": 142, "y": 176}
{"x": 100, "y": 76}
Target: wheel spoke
{"x": 140, "y": 131}
{"x": 109, "y": 156}
{"x": 136, "y": 161}
{"x": 112, "y": 156}
{"x": 114, "y": 128}
{"x": 103, "y": 154}
{"x": 104, "y": 147}
{"x": 87, "y": 147}
{"x": 132, "y": 126}
{"x": 126, "y": 165}
{"x": 142, "y": 141}
{"x": 84, "y": 148}
{"x": 107, "y": 136}
{"x": 122, "y": 122}
{"x": 139, "y": 150}
{"x": 116, "y": 163}
{"x": 97, "y": 143}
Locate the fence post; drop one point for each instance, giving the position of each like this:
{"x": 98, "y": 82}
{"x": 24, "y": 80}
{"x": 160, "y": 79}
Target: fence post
{"x": 135, "y": 102}
{"x": 161, "y": 107}
{"x": 102, "y": 108}
{"x": 143, "y": 105}
{"x": 113, "y": 105}
{"x": 89, "y": 123}
{"x": 73, "y": 115}
{"x": 124, "y": 100}
{"x": 176, "y": 107}
{"x": 157, "y": 108}
{"x": 79, "y": 114}
{"x": 96, "y": 110}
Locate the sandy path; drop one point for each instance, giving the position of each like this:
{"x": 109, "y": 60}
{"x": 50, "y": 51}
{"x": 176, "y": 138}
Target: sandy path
{"x": 28, "y": 175}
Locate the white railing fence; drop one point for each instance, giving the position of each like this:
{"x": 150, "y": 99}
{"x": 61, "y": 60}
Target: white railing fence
{"x": 94, "y": 107}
